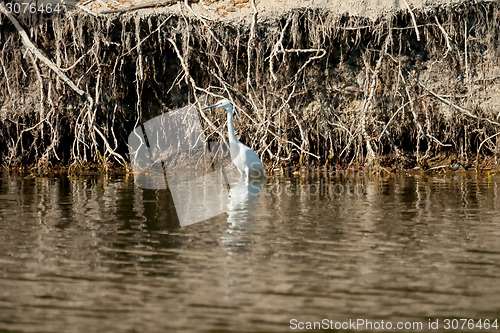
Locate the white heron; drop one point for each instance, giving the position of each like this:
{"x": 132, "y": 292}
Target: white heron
{"x": 245, "y": 159}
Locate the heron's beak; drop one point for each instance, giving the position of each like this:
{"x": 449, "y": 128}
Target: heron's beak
{"x": 237, "y": 114}
{"x": 210, "y": 107}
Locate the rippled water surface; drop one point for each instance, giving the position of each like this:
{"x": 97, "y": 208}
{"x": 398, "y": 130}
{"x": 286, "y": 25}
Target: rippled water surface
{"x": 99, "y": 254}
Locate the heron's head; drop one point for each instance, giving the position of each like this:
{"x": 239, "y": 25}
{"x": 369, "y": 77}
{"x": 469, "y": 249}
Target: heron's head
{"x": 224, "y": 103}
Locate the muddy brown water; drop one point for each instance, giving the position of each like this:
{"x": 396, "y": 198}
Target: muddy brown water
{"x": 99, "y": 254}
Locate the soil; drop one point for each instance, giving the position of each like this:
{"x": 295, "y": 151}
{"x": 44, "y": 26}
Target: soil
{"x": 241, "y": 10}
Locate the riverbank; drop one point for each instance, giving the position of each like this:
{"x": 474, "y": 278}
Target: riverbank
{"x": 365, "y": 83}
{"x": 440, "y": 165}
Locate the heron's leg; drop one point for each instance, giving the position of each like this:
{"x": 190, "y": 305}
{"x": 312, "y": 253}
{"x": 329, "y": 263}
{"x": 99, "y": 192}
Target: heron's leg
{"x": 247, "y": 172}
{"x": 242, "y": 174}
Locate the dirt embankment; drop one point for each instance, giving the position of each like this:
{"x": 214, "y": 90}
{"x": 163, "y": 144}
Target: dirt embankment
{"x": 237, "y": 11}
{"x": 336, "y": 82}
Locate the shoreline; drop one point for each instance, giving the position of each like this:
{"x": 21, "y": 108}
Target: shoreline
{"x": 438, "y": 167}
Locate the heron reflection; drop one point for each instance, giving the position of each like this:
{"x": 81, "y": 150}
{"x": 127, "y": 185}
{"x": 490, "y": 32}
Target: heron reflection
{"x": 243, "y": 198}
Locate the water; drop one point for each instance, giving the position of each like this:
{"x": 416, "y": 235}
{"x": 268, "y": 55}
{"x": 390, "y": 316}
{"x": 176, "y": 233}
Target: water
{"x": 98, "y": 254}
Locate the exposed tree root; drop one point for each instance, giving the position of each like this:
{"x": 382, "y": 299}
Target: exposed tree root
{"x": 312, "y": 87}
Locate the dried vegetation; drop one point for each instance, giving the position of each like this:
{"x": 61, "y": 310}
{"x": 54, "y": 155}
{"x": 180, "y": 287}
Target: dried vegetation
{"x": 312, "y": 87}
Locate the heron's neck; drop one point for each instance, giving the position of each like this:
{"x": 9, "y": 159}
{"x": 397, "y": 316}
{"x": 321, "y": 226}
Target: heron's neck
{"x": 230, "y": 127}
